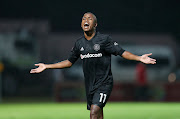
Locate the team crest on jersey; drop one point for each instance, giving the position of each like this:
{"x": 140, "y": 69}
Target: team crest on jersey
{"x": 96, "y": 47}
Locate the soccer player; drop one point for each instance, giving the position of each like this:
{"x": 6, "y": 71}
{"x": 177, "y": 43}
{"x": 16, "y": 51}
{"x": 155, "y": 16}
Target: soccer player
{"x": 95, "y": 51}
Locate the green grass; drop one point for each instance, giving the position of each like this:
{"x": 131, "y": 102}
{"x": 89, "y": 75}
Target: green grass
{"x": 78, "y": 111}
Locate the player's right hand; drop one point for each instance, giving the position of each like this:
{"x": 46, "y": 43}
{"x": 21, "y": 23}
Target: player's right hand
{"x": 41, "y": 67}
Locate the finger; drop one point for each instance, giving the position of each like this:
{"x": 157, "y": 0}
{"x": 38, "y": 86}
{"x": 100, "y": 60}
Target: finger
{"x": 148, "y": 54}
{"x": 36, "y": 64}
{"x": 152, "y": 62}
{"x": 153, "y": 59}
{"x": 33, "y": 71}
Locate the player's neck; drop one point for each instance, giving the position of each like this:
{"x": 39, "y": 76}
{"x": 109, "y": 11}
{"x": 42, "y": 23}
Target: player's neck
{"x": 89, "y": 35}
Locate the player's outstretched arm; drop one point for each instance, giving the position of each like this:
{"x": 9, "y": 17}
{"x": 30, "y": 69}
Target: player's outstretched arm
{"x": 41, "y": 66}
{"x": 144, "y": 58}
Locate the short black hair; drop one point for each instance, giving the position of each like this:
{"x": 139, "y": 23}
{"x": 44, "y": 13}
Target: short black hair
{"x": 95, "y": 18}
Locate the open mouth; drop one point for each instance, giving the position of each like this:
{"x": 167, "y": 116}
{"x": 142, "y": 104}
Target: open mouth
{"x": 86, "y": 25}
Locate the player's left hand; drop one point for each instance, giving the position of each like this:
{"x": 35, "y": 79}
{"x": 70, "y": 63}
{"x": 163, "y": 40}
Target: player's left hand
{"x": 147, "y": 60}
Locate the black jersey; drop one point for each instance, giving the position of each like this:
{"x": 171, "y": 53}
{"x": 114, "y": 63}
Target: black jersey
{"x": 96, "y": 56}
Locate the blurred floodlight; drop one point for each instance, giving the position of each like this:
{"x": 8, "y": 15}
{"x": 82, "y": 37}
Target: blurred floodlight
{"x": 172, "y": 77}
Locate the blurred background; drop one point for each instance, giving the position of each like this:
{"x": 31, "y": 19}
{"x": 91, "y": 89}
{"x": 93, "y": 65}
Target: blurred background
{"x": 45, "y": 31}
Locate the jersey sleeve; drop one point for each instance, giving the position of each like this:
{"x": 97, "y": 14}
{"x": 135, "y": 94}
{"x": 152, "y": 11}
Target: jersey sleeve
{"x": 113, "y": 47}
{"x": 75, "y": 53}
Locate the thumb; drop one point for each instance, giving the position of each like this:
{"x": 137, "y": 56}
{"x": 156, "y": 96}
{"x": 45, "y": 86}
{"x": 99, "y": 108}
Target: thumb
{"x": 148, "y": 54}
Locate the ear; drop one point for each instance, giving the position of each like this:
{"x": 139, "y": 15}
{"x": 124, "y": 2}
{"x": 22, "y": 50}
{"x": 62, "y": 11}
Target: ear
{"x": 95, "y": 25}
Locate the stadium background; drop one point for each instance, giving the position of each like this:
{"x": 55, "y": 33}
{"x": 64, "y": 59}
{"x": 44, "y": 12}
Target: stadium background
{"x": 45, "y": 31}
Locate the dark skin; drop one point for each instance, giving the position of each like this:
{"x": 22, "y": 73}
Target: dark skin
{"x": 89, "y": 24}
{"x": 96, "y": 112}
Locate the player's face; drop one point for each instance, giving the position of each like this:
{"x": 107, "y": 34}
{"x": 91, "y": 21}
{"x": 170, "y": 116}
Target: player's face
{"x": 88, "y": 22}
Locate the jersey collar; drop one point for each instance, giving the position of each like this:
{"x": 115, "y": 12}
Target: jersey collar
{"x": 92, "y": 37}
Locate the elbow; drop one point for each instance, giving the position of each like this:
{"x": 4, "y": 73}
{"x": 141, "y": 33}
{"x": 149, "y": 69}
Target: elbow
{"x": 125, "y": 55}
{"x": 69, "y": 64}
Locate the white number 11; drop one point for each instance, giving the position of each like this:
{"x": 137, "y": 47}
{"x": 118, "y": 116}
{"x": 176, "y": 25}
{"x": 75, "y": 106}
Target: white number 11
{"x": 102, "y": 97}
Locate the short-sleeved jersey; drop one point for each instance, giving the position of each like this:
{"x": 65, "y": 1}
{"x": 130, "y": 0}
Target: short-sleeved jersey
{"x": 96, "y": 56}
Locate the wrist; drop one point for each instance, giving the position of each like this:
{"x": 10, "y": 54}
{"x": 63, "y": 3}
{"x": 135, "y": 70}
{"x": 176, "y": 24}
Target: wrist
{"x": 139, "y": 58}
{"x": 46, "y": 66}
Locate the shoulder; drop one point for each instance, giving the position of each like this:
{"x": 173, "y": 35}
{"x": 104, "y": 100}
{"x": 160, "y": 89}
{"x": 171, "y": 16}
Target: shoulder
{"x": 79, "y": 41}
{"x": 103, "y": 37}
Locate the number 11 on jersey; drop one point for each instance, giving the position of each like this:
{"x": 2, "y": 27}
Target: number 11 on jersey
{"x": 102, "y": 97}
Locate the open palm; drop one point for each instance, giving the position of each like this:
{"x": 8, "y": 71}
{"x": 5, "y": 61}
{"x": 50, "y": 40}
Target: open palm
{"x": 147, "y": 60}
{"x": 41, "y": 67}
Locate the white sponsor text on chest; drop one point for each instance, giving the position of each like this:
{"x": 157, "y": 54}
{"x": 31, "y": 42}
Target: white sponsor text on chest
{"x": 91, "y": 55}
